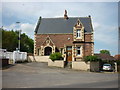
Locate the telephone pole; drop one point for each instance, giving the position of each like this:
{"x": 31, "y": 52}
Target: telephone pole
{"x": 19, "y": 37}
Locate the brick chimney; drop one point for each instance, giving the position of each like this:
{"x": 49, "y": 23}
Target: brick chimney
{"x": 65, "y": 15}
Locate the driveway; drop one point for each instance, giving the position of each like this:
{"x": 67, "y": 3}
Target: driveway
{"x": 39, "y": 75}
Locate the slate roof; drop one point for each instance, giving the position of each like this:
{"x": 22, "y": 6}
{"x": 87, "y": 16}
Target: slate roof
{"x": 61, "y": 25}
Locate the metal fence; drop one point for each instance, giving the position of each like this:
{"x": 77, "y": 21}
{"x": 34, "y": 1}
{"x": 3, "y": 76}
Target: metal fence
{"x": 15, "y": 56}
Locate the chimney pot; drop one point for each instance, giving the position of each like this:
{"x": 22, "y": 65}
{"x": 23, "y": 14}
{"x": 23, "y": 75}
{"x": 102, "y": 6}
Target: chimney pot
{"x": 65, "y": 15}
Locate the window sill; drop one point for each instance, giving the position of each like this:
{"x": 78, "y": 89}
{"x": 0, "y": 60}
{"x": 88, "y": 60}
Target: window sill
{"x": 78, "y": 56}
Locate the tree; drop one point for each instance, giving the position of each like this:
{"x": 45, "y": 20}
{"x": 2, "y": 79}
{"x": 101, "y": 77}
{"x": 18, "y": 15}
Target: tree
{"x": 10, "y": 41}
{"x": 105, "y": 52}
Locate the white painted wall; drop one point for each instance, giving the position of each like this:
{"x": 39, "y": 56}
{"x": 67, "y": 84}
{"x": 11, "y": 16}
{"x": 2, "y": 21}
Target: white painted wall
{"x": 80, "y": 65}
{"x": 56, "y": 63}
{"x": 38, "y": 58}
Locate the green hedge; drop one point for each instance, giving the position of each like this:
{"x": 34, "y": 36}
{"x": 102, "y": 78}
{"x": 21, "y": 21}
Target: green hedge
{"x": 91, "y": 58}
{"x": 56, "y": 56}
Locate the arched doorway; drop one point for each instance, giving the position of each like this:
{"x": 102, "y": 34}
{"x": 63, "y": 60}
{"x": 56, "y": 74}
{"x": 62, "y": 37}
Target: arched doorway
{"x": 48, "y": 51}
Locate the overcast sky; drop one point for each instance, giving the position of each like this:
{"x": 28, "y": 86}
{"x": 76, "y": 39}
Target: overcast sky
{"x": 104, "y": 18}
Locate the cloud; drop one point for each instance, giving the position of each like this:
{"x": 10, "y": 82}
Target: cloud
{"x": 10, "y": 27}
{"x": 106, "y": 34}
{"x": 60, "y": 0}
{"x": 96, "y": 25}
{"x": 26, "y": 28}
{"x": 104, "y": 38}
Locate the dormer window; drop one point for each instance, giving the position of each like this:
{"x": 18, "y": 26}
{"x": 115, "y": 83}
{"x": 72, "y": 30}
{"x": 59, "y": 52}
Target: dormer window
{"x": 78, "y": 33}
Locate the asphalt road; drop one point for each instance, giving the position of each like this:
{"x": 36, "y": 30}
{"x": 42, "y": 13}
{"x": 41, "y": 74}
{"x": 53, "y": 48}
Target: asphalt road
{"x": 39, "y": 75}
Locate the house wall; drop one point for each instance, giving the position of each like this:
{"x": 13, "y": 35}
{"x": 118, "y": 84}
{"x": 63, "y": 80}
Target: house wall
{"x": 89, "y": 37}
{"x": 87, "y": 47}
{"x": 57, "y": 38}
{"x": 85, "y": 41}
{"x": 38, "y": 58}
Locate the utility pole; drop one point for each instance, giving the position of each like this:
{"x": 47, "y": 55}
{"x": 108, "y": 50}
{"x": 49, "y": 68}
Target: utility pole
{"x": 19, "y": 37}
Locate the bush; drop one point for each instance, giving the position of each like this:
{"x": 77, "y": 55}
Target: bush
{"x": 56, "y": 56}
{"x": 91, "y": 58}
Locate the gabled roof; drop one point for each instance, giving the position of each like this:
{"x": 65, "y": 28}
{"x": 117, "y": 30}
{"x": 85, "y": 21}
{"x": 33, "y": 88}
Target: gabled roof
{"x": 61, "y": 25}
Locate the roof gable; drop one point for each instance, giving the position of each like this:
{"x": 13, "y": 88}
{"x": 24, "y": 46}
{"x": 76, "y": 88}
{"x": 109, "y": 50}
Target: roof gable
{"x": 47, "y": 41}
{"x": 61, "y": 25}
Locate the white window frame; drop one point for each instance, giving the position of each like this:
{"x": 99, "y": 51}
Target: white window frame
{"x": 78, "y": 48}
{"x": 78, "y": 34}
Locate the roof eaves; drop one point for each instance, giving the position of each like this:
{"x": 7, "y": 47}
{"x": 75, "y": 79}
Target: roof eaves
{"x": 38, "y": 24}
{"x": 54, "y": 33}
{"x": 91, "y": 23}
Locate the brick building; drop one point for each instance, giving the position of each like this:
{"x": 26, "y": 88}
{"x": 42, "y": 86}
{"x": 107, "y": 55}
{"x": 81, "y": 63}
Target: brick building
{"x": 71, "y": 36}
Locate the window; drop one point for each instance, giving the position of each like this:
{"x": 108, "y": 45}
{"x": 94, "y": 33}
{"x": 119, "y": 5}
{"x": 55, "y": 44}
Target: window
{"x": 78, "y": 50}
{"x": 78, "y": 33}
{"x": 69, "y": 47}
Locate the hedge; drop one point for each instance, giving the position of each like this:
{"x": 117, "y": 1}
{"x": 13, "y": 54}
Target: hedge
{"x": 56, "y": 56}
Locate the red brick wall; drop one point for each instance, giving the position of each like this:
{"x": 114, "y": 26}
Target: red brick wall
{"x": 60, "y": 39}
{"x": 88, "y": 37}
{"x": 88, "y": 49}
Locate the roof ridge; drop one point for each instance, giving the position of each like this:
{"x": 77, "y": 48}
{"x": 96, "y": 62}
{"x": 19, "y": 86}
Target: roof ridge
{"x": 63, "y": 17}
{"x": 57, "y": 33}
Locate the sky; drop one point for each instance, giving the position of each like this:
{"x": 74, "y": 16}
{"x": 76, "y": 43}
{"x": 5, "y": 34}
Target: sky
{"x": 104, "y": 18}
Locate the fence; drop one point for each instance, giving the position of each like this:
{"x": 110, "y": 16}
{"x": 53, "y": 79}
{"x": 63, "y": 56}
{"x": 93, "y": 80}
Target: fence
{"x": 19, "y": 56}
{"x": 15, "y": 56}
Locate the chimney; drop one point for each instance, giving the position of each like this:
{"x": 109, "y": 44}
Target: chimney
{"x": 65, "y": 15}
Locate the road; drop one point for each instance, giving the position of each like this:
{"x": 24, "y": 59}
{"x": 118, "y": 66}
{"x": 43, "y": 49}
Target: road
{"x": 39, "y": 75}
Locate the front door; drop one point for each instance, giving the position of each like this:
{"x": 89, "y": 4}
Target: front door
{"x": 48, "y": 51}
{"x": 69, "y": 53}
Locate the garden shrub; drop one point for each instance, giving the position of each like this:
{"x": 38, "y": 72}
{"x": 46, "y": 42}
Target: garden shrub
{"x": 56, "y": 56}
{"x": 91, "y": 58}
